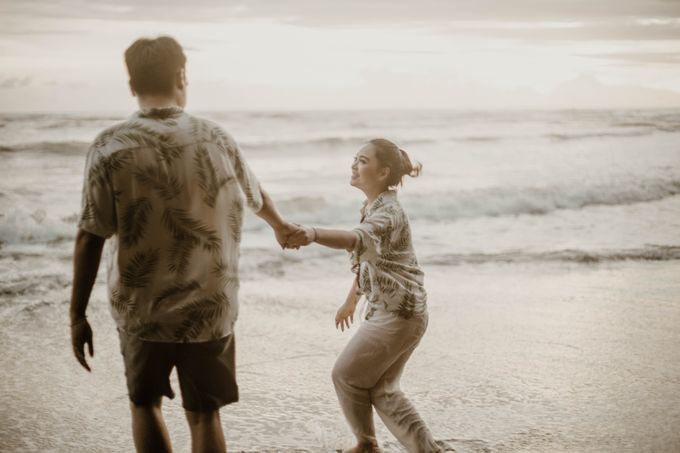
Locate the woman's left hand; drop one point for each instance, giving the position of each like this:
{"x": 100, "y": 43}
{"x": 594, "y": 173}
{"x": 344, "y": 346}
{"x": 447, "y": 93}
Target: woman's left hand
{"x": 345, "y": 316}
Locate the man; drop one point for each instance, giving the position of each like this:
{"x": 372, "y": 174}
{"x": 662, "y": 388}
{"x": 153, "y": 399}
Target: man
{"x": 168, "y": 189}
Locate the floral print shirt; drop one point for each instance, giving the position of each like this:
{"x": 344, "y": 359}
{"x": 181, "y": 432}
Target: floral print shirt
{"x": 388, "y": 271}
{"x": 168, "y": 189}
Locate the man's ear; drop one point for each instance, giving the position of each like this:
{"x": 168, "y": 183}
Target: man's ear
{"x": 132, "y": 90}
{"x": 181, "y": 79}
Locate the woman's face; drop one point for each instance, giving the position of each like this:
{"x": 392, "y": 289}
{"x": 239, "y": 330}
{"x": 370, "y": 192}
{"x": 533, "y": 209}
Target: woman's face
{"x": 367, "y": 174}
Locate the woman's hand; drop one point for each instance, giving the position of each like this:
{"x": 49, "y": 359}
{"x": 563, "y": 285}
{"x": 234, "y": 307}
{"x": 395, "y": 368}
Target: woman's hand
{"x": 345, "y": 315}
{"x": 304, "y": 235}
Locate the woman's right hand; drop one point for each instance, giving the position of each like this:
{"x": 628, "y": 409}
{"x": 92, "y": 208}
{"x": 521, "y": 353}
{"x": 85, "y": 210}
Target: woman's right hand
{"x": 345, "y": 315}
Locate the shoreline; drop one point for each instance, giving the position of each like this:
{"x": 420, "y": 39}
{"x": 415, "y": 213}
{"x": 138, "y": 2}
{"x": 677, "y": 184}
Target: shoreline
{"x": 557, "y": 358}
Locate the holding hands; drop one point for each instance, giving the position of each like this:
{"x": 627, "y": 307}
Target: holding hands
{"x": 294, "y": 236}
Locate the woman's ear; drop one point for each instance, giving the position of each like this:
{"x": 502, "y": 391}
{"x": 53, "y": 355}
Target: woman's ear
{"x": 383, "y": 174}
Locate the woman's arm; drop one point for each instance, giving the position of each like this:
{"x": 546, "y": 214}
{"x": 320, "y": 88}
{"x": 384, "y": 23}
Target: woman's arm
{"x": 336, "y": 239}
{"x": 345, "y": 314}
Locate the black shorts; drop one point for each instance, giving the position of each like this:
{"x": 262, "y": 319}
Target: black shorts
{"x": 206, "y": 371}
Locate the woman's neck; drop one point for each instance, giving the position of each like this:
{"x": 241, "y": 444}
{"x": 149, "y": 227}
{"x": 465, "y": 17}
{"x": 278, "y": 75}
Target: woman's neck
{"x": 373, "y": 194}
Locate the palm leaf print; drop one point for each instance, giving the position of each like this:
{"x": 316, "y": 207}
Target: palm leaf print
{"x": 136, "y": 135}
{"x": 104, "y": 166}
{"x": 198, "y": 313}
{"x": 365, "y": 280}
{"x": 190, "y": 328}
{"x": 167, "y": 186}
{"x": 97, "y": 173}
{"x": 403, "y": 241}
{"x": 168, "y": 153}
{"x": 407, "y": 306}
{"x": 182, "y": 226}
{"x": 229, "y": 282}
{"x": 199, "y": 129}
{"x": 179, "y": 254}
{"x": 89, "y": 211}
{"x": 235, "y": 221}
{"x": 103, "y": 138}
{"x": 138, "y": 272}
{"x": 116, "y": 160}
{"x": 121, "y": 302}
{"x": 217, "y": 135}
{"x": 387, "y": 284}
{"x": 220, "y": 268}
{"x": 175, "y": 290}
{"x": 143, "y": 135}
{"x": 208, "y": 180}
{"x": 134, "y": 221}
{"x": 145, "y": 329}
{"x": 388, "y": 264}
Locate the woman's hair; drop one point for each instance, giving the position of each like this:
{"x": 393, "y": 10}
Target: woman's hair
{"x": 391, "y": 156}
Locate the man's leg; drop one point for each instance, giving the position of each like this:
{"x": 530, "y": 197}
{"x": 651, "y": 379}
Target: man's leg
{"x": 206, "y": 432}
{"x": 147, "y": 370}
{"x": 207, "y": 378}
{"x": 148, "y": 428}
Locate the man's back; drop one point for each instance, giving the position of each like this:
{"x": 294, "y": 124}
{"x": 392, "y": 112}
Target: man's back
{"x": 168, "y": 186}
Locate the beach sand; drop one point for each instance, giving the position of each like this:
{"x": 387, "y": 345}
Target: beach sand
{"x": 517, "y": 358}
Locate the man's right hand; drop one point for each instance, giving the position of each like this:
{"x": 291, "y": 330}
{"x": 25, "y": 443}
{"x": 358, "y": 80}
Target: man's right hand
{"x": 81, "y": 334}
{"x": 303, "y": 235}
{"x": 284, "y": 233}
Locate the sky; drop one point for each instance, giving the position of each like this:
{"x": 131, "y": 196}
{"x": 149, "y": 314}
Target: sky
{"x": 67, "y": 55}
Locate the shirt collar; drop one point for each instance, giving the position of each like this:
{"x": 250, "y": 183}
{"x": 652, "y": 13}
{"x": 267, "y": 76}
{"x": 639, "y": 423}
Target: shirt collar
{"x": 158, "y": 113}
{"x": 384, "y": 197}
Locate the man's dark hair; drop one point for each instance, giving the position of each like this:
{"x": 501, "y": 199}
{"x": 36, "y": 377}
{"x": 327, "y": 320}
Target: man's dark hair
{"x": 153, "y": 64}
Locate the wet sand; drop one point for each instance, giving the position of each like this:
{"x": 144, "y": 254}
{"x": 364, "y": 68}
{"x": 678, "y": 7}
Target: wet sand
{"x": 517, "y": 358}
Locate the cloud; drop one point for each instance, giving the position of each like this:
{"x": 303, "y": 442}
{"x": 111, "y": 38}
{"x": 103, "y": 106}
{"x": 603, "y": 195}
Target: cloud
{"x": 665, "y": 58}
{"x": 587, "y": 91}
{"x": 612, "y": 30}
{"x": 348, "y": 12}
{"x": 9, "y": 83}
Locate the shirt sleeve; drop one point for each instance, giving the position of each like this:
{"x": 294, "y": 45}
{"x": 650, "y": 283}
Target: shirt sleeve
{"x": 373, "y": 234}
{"x": 98, "y": 213}
{"x": 244, "y": 175}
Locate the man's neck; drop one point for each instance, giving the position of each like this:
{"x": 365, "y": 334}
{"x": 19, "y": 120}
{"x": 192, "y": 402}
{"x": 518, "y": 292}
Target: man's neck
{"x": 156, "y": 102}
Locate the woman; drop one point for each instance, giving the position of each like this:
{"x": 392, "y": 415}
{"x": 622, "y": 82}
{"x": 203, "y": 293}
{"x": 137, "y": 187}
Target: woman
{"x": 367, "y": 372}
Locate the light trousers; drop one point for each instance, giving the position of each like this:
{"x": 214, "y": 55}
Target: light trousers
{"x": 366, "y": 375}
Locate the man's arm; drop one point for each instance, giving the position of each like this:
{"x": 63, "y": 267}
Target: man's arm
{"x": 86, "y": 257}
{"x": 269, "y": 214}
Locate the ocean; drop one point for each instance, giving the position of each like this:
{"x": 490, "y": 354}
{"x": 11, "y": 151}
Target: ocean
{"x": 545, "y": 236}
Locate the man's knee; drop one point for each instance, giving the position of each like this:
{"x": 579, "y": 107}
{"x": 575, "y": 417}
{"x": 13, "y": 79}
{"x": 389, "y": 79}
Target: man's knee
{"x": 152, "y": 404}
{"x": 202, "y": 417}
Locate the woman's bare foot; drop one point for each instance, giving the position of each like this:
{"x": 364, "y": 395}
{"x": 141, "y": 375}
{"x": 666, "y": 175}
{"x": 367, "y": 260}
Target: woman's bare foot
{"x": 368, "y": 447}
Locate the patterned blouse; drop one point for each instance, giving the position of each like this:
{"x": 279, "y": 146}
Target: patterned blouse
{"x": 168, "y": 189}
{"x": 389, "y": 275}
